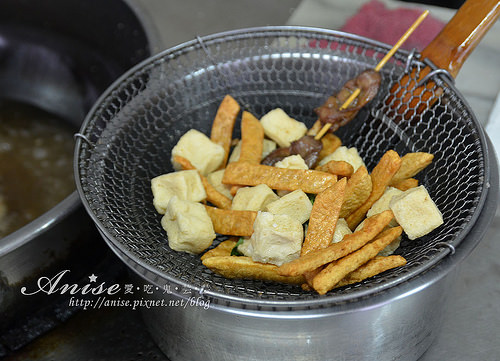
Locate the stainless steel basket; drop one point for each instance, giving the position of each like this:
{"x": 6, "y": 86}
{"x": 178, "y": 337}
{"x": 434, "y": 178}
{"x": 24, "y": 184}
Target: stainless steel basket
{"x": 127, "y": 138}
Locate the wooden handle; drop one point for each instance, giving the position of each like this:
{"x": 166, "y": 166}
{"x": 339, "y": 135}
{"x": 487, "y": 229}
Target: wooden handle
{"x": 451, "y": 47}
{"x": 448, "y": 51}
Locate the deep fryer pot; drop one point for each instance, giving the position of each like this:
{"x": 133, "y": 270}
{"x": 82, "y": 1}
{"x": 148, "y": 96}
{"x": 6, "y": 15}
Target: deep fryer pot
{"x": 59, "y": 55}
{"x": 127, "y": 138}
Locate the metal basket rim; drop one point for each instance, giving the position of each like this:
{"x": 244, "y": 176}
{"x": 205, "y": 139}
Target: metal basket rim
{"x": 249, "y": 32}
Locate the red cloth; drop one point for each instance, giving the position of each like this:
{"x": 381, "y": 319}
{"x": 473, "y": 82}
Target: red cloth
{"x": 375, "y": 21}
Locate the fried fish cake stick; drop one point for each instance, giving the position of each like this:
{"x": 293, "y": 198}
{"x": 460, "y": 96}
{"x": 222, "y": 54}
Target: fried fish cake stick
{"x": 223, "y": 124}
{"x": 324, "y": 216}
{"x": 381, "y": 177}
{"x": 336, "y": 271}
{"x": 310, "y": 181}
{"x": 350, "y": 243}
{"x": 357, "y": 191}
{"x": 232, "y": 223}
{"x": 246, "y": 268}
{"x": 213, "y": 195}
{"x": 252, "y": 139}
{"x": 411, "y": 165}
{"x": 371, "y": 268}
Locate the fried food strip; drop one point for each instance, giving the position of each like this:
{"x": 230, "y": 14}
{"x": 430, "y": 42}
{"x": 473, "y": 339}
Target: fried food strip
{"x": 223, "y": 124}
{"x": 411, "y": 164}
{"x": 358, "y": 189}
{"x": 351, "y": 242}
{"x": 324, "y": 216}
{"x": 406, "y": 184}
{"x": 231, "y": 222}
{"x": 252, "y": 138}
{"x": 381, "y": 177}
{"x": 223, "y": 249}
{"x": 336, "y": 271}
{"x": 330, "y": 144}
{"x": 310, "y": 181}
{"x": 246, "y": 268}
{"x": 371, "y": 268}
{"x": 213, "y": 195}
{"x": 315, "y": 128}
{"x": 337, "y": 167}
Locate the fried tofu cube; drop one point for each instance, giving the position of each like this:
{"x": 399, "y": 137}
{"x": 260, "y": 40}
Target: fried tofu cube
{"x": 416, "y": 212}
{"x": 185, "y": 184}
{"x": 215, "y": 179}
{"x": 349, "y": 155}
{"x": 295, "y": 204}
{"x": 292, "y": 162}
{"x": 267, "y": 147}
{"x": 282, "y": 128}
{"x": 205, "y": 155}
{"x": 341, "y": 229}
{"x": 382, "y": 204}
{"x": 277, "y": 239}
{"x": 188, "y": 226}
{"x": 253, "y": 198}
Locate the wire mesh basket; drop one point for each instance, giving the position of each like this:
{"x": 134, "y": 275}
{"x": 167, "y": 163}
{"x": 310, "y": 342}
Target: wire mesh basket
{"x": 127, "y": 138}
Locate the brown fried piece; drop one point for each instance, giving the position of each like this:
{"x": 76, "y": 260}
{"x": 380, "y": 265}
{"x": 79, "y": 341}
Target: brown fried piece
{"x": 350, "y": 243}
{"x": 213, "y": 195}
{"x": 252, "y": 138}
{"x": 371, "y": 268}
{"x": 324, "y": 216}
{"x": 338, "y": 167}
{"x": 330, "y": 144}
{"x": 223, "y": 124}
{"x": 411, "y": 165}
{"x": 310, "y": 181}
{"x": 381, "y": 177}
{"x": 336, "y": 271}
{"x": 230, "y": 222}
{"x": 368, "y": 82}
{"x": 246, "y": 268}
{"x": 406, "y": 184}
{"x": 223, "y": 249}
{"x": 358, "y": 189}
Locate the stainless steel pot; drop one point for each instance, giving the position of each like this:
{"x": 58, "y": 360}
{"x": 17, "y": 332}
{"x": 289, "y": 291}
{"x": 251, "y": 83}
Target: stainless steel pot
{"x": 59, "y": 55}
{"x": 397, "y": 324}
{"x": 128, "y": 138}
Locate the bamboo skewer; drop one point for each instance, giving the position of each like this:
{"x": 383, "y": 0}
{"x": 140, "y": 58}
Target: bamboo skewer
{"x": 379, "y": 66}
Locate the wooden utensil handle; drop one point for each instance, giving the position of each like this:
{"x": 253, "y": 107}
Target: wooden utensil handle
{"x": 448, "y": 51}
{"x": 451, "y": 47}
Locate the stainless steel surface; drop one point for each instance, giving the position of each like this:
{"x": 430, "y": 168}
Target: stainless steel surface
{"x": 58, "y": 59}
{"x": 118, "y": 119}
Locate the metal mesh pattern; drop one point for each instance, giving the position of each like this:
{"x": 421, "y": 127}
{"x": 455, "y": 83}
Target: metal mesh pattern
{"x": 134, "y": 126}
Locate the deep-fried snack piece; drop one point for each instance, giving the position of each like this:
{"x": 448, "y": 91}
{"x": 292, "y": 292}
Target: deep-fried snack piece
{"x": 213, "y": 195}
{"x": 406, "y": 184}
{"x": 246, "y": 268}
{"x": 350, "y": 243}
{"x": 371, "y": 268}
{"x": 357, "y": 191}
{"x": 252, "y": 138}
{"x": 232, "y": 223}
{"x": 223, "y": 124}
{"x": 310, "y": 181}
{"x": 330, "y": 144}
{"x": 324, "y": 216}
{"x": 336, "y": 271}
{"x": 381, "y": 177}
{"x": 411, "y": 164}
{"x": 222, "y": 249}
{"x": 338, "y": 167}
